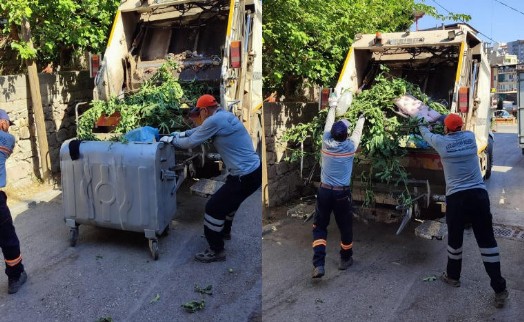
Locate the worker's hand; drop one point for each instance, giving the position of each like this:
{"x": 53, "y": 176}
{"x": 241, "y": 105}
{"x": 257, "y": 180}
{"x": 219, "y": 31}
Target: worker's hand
{"x": 361, "y": 116}
{"x": 167, "y": 139}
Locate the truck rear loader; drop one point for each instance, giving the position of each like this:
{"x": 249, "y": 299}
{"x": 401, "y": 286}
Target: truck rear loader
{"x": 451, "y": 67}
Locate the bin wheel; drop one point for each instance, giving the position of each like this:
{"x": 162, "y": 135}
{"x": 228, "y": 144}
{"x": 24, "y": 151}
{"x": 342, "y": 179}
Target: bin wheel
{"x": 73, "y": 236}
{"x": 153, "y": 247}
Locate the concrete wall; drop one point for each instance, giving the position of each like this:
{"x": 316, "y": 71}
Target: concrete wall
{"x": 60, "y": 93}
{"x": 284, "y": 179}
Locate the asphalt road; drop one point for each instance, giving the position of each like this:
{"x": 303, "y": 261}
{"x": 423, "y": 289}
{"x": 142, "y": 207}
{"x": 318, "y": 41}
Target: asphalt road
{"x": 387, "y": 280}
{"x": 111, "y": 274}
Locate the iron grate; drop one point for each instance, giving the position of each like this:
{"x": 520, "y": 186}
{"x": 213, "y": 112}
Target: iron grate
{"x": 508, "y": 232}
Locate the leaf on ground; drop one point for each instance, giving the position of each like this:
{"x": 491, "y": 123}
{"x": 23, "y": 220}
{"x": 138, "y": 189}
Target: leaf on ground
{"x": 99, "y": 256}
{"x": 194, "y": 306}
{"x": 155, "y": 299}
{"x": 204, "y": 290}
{"x": 105, "y": 319}
{"x": 319, "y": 301}
{"x": 230, "y": 270}
{"x": 430, "y": 278}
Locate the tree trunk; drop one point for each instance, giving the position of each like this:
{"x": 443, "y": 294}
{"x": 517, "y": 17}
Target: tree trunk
{"x": 34, "y": 87}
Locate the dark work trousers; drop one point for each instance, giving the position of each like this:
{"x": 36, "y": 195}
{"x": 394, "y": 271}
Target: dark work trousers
{"x": 224, "y": 203}
{"x": 472, "y": 206}
{"x": 338, "y": 202}
{"x": 9, "y": 241}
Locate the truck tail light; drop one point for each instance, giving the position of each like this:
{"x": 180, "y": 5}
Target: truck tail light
{"x": 378, "y": 39}
{"x": 234, "y": 54}
{"x": 94, "y": 65}
{"x": 463, "y": 99}
{"x": 324, "y": 98}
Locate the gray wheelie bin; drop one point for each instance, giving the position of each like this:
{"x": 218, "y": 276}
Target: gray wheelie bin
{"x": 127, "y": 186}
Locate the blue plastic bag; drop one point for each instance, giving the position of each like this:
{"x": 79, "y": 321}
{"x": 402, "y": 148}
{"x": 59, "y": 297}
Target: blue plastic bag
{"x": 143, "y": 134}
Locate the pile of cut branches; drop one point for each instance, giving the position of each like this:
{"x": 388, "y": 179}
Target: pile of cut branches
{"x": 157, "y": 104}
{"x": 384, "y": 136}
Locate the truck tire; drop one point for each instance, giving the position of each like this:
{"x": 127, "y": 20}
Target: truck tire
{"x": 489, "y": 152}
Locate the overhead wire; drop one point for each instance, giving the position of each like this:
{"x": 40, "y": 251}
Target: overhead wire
{"x": 516, "y": 10}
{"x": 461, "y": 20}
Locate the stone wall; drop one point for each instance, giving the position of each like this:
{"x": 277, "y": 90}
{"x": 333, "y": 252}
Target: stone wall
{"x": 284, "y": 178}
{"x": 60, "y": 94}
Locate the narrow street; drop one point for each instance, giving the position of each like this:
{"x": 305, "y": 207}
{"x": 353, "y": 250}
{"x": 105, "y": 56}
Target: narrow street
{"x": 111, "y": 274}
{"x": 391, "y": 278}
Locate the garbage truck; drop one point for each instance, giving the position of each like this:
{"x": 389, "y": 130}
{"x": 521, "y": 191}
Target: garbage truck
{"x": 450, "y": 66}
{"x": 132, "y": 186}
{"x": 214, "y": 42}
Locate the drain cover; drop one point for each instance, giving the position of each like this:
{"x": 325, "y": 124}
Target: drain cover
{"x": 508, "y": 232}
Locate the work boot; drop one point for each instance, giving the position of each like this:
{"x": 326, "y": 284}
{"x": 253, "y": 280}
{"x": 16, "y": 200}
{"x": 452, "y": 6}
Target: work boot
{"x": 500, "y": 299}
{"x": 345, "y": 263}
{"x": 14, "y": 284}
{"x": 318, "y": 272}
{"x": 445, "y": 278}
{"x": 209, "y": 256}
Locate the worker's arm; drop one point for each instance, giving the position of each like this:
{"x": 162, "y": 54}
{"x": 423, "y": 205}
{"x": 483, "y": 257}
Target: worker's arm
{"x": 357, "y": 132}
{"x": 330, "y": 119}
{"x": 197, "y": 135}
{"x": 191, "y": 131}
{"x": 429, "y": 137}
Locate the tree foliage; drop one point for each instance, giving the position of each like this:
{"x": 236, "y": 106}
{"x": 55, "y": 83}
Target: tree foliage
{"x": 60, "y": 29}
{"x": 307, "y": 40}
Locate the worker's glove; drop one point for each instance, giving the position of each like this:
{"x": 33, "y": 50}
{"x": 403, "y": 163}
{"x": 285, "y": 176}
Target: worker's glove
{"x": 333, "y": 100}
{"x": 179, "y": 134}
{"x": 167, "y": 139}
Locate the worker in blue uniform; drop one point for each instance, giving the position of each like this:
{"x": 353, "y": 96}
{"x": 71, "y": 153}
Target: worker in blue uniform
{"x": 8, "y": 239}
{"x": 338, "y": 152}
{"x": 233, "y": 143}
{"x": 467, "y": 201}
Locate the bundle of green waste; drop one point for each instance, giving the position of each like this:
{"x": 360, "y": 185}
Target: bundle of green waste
{"x": 159, "y": 103}
{"x": 386, "y": 125}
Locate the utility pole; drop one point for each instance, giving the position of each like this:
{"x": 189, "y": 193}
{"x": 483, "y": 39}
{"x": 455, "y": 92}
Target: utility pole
{"x": 38, "y": 111}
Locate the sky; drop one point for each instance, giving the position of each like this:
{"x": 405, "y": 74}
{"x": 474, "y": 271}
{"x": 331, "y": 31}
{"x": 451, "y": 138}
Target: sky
{"x": 492, "y": 18}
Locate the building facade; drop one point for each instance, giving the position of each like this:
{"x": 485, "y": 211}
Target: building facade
{"x": 517, "y": 48}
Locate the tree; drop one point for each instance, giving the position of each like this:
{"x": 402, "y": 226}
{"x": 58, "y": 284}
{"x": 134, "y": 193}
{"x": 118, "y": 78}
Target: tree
{"x": 61, "y": 29}
{"x": 307, "y": 40}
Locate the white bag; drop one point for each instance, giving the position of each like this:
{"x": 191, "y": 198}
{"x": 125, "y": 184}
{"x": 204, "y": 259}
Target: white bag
{"x": 344, "y": 102}
{"x": 411, "y": 106}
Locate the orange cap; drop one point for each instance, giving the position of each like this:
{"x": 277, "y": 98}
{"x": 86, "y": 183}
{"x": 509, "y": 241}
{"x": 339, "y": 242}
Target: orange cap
{"x": 203, "y": 101}
{"x": 453, "y": 122}
{"x": 206, "y": 100}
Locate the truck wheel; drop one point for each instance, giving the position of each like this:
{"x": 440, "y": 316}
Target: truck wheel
{"x": 489, "y": 157}
{"x": 488, "y": 166}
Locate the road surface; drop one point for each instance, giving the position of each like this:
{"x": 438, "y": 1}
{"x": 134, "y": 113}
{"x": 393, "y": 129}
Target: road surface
{"x": 391, "y": 278}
